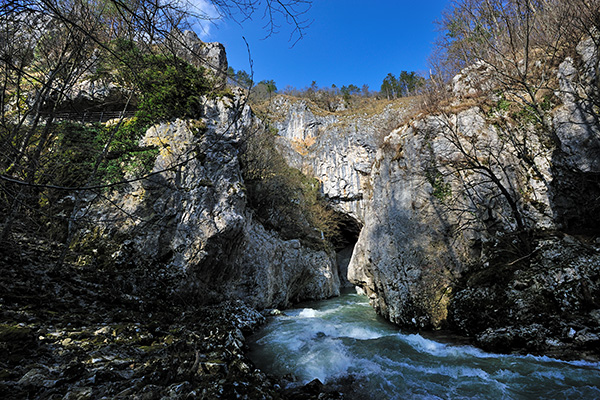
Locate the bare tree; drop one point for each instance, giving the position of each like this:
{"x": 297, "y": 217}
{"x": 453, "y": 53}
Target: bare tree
{"x": 479, "y": 161}
{"x": 49, "y": 46}
{"x": 480, "y": 183}
{"x": 517, "y": 47}
{"x": 521, "y": 42}
{"x": 292, "y": 12}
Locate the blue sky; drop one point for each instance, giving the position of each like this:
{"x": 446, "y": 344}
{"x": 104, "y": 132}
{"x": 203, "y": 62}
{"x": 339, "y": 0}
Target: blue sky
{"x": 348, "y": 42}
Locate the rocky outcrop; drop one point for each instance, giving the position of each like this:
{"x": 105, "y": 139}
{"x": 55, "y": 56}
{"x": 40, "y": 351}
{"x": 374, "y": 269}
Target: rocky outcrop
{"x": 278, "y": 273}
{"x": 337, "y": 148}
{"x": 577, "y": 164}
{"x": 550, "y": 307}
{"x": 473, "y": 80}
{"x": 189, "y": 227}
{"x": 89, "y": 93}
{"x": 92, "y": 94}
{"x": 211, "y": 56}
{"x": 486, "y": 224}
{"x": 412, "y": 245}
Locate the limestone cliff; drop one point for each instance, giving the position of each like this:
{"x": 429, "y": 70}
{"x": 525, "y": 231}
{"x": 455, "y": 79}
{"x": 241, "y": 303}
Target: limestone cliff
{"x": 189, "y": 227}
{"x": 336, "y": 148}
{"x": 454, "y": 192}
{"x": 476, "y": 216}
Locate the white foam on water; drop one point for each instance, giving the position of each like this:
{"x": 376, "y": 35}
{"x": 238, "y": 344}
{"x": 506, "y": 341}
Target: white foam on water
{"x": 313, "y": 324}
{"x": 336, "y": 341}
{"x": 324, "y": 360}
{"x": 550, "y": 360}
{"x": 506, "y": 375}
{"x": 290, "y": 342}
{"x": 312, "y": 313}
{"x": 308, "y": 313}
{"x": 421, "y": 344}
{"x": 553, "y": 375}
{"x": 360, "y": 333}
{"x": 584, "y": 363}
{"x": 468, "y": 372}
{"x": 449, "y": 371}
{"x": 587, "y": 392}
{"x": 438, "y": 349}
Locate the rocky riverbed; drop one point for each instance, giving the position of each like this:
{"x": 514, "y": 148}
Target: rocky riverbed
{"x": 79, "y": 333}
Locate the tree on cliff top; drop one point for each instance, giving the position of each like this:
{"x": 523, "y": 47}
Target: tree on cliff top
{"x": 520, "y": 42}
{"x": 508, "y": 53}
{"x": 404, "y": 85}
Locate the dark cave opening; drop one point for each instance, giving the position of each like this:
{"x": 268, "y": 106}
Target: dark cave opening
{"x": 576, "y": 205}
{"x": 349, "y": 229}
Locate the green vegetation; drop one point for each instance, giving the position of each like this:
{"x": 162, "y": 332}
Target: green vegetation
{"x": 264, "y": 90}
{"x": 73, "y": 154}
{"x": 169, "y": 88}
{"x": 335, "y": 98}
{"x": 125, "y": 157}
{"x": 283, "y": 198}
{"x": 239, "y": 78}
{"x": 441, "y": 189}
{"x": 71, "y": 159}
{"x": 406, "y": 84}
{"x": 166, "y": 86}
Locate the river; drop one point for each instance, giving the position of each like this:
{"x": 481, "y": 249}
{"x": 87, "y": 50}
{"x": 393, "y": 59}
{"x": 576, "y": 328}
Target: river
{"x": 344, "y": 344}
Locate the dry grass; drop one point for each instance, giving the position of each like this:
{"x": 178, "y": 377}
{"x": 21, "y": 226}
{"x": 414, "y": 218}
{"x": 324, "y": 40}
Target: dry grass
{"x": 301, "y": 146}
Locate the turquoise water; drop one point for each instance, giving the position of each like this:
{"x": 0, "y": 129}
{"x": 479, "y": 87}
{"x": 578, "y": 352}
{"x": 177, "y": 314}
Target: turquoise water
{"x": 344, "y": 344}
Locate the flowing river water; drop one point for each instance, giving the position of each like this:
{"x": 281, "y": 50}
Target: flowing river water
{"x": 344, "y": 344}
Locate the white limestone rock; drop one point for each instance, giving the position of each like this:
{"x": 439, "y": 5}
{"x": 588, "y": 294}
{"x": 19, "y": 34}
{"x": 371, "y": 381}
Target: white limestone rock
{"x": 188, "y": 225}
{"x": 337, "y": 149}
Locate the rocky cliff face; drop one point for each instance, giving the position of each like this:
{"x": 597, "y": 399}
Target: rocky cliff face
{"x": 189, "y": 227}
{"x": 440, "y": 244}
{"x": 475, "y": 218}
{"x": 429, "y": 259}
{"x": 425, "y": 223}
{"x": 211, "y": 56}
{"x": 336, "y": 148}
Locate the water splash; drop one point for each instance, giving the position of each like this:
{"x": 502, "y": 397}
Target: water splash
{"x": 342, "y": 338}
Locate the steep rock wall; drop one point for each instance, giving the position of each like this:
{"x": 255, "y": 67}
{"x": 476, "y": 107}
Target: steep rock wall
{"x": 471, "y": 223}
{"x": 424, "y": 225}
{"x": 336, "y": 148}
{"x": 189, "y": 227}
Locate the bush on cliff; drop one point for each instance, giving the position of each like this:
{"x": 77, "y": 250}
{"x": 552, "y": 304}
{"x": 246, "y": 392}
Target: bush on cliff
{"x": 283, "y": 198}
{"x": 71, "y": 154}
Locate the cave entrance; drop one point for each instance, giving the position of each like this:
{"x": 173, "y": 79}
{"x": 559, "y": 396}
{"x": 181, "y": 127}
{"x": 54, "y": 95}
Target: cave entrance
{"x": 349, "y": 229}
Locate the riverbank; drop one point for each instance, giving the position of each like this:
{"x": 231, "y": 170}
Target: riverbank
{"x": 75, "y": 333}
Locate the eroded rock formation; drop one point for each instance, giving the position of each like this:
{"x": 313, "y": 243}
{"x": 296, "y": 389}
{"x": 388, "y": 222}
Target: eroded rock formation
{"x": 189, "y": 227}
{"x": 440, "y": 246}
{"x": 476, "y": 218}
{"x": 338, "y": 149}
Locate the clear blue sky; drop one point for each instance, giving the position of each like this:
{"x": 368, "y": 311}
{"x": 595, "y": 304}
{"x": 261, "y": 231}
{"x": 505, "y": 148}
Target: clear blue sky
{"x": 348, "y": 42}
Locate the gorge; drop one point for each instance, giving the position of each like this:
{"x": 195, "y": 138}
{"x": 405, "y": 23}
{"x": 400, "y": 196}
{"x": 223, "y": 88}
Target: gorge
{"x": 139, "y": 254}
